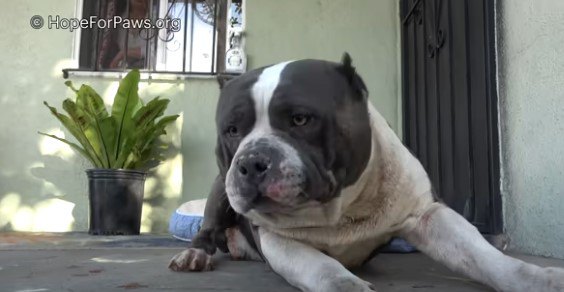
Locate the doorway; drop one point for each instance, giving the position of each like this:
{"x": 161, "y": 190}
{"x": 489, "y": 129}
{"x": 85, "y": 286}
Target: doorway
{"x": 450, "y": 103}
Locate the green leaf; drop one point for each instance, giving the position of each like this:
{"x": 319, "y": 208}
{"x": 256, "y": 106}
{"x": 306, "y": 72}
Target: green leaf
{"x": 159, "y": 128}
{"x": 138, "y": 148}
{"x": 144, "y": 149}
{"x": 125, "y": 151}
{"x": 91, "y": 102}
{"x": 90, "y": 124}
{"x": 93, "y": 136}
{"x": 76, "y": 114}
{"x": 150, "y": 112}
{"x": 104, "y": 132}
{"x": 95, "y": 122}
{"x": 71, "y": 86}
{"x": 86, "y": 124}
{"x": 108, "y": 134}
{"x": 126, "y": 102}
{"x": 78, "y": 133}
{"x": 128, "y": 138}
{"x": 72, "y": 145}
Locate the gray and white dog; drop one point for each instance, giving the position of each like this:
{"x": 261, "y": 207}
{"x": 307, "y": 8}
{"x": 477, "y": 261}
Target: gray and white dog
{"x": 313, "y": 180}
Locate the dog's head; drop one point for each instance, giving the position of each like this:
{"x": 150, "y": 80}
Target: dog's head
{"x": 292, "y": 134}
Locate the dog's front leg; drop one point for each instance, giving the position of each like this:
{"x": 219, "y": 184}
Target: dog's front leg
{"x": 306, "y": 267}
{"x": 218, "y": 216}
{"x": 448, "y": 238}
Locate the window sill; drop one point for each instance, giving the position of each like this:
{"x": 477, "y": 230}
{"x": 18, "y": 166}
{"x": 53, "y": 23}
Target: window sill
{"x": 164, "y": 76}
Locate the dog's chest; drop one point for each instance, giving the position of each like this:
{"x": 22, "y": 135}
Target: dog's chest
{"x": 365, "y": 217}
{"x": 351, "y": 241}
{"x": 359, "y": 230}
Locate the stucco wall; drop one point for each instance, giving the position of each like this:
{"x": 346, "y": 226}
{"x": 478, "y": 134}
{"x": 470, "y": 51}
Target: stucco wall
{"x": 324, "y": 29}
{"x": 531, "y": 86}
{"x": 42, "y": 183}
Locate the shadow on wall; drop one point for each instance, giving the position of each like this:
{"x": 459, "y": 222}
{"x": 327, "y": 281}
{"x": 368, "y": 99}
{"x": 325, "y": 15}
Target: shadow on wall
{"x": 43, "y": 185}
{"x": 52, "y": 209}
{"x": 60, "y": 200}
{"x": 27, "y": 203}
{"x": 163, "y": 188}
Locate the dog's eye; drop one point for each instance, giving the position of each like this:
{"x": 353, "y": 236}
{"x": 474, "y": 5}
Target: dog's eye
{"x": 232, "y": 131}
{"x": 300, "y": 120}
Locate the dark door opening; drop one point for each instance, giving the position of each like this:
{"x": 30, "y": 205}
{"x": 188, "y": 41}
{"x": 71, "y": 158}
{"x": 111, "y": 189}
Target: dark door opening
{"x": 450, "y": 103}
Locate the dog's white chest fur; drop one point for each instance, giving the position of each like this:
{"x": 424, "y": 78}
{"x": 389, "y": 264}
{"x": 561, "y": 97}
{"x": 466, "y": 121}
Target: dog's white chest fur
{"x": 368, "y": 213}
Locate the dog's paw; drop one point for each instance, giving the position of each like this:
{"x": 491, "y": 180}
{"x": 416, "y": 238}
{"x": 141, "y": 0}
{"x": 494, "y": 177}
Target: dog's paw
{"x": 349, "y": 284}
{"x": 191, "y": 260}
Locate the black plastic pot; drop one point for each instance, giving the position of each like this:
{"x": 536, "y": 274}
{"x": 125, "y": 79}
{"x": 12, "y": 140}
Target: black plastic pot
{"x": 116, "y": 199}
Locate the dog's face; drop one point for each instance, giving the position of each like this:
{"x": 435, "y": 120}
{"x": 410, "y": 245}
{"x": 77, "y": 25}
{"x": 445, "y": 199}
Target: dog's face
{"x": 292, "y": 135}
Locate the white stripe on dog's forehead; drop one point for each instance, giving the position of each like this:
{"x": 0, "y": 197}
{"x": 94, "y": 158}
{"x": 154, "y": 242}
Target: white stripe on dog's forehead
{"x": 262, "y": 93}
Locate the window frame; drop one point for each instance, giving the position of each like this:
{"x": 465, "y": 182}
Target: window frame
{"x": 220, "y": 46}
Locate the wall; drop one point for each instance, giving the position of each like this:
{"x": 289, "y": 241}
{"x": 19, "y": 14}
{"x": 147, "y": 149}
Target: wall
{"x": 531, "y": 86}
{"x": 42, "y": 183}
{"x": 324, "y": 29}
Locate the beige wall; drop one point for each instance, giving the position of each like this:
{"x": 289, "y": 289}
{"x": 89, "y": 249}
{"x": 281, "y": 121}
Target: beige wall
{"x": 42, "y": 183}
{"x": 531, "y": 86}
{"x": 324, "y": 29}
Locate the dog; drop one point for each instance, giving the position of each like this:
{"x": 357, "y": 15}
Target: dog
{"x": 313, "y": 181}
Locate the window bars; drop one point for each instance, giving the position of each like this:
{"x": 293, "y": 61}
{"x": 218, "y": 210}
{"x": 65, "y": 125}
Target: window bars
{"x": 180, "y": 37}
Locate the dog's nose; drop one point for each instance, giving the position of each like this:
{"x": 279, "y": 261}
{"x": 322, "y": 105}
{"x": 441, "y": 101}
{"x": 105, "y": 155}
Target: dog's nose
{"x": 253, "y": 166}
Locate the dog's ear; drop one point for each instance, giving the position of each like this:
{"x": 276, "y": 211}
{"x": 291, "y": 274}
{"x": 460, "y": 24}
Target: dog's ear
{"x": 223, "y": 79}
{"x": 223, "y": 158}
{"x": 347, "y": 69}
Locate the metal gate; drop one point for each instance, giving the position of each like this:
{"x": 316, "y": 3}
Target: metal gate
{"x": 450, "y": 102}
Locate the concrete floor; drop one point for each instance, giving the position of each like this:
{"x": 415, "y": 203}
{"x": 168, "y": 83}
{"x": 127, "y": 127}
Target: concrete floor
{"x": 79, "y": 262}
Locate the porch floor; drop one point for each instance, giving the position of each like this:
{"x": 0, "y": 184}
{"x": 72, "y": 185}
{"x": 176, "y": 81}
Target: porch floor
{"x": 78, "y": 262}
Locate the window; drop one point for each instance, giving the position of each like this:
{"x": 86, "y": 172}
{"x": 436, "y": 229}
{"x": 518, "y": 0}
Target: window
{"x": 190, "y": 37}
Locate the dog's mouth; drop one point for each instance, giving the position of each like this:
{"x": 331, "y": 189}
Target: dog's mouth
{"x": 266, "y": 205}
{"x": 275, "y": 197}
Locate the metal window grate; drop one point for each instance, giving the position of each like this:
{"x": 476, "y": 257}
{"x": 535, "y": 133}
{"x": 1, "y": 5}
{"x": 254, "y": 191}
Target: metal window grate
{"x": 198, "y": 48}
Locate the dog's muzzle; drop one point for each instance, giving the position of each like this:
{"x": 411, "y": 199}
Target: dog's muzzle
{"x": 253, "y": 166}
{"x": 266, "y": 175}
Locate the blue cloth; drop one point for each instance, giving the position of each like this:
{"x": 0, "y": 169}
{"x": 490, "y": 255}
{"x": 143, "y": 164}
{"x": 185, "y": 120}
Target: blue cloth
{"x": 184, "y": 227}
{"x": 398, "y": 245}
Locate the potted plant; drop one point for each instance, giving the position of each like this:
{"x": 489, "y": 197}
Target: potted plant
{"x": 121, "y": 145}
